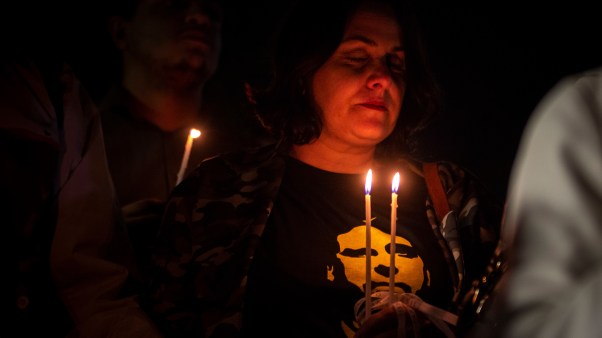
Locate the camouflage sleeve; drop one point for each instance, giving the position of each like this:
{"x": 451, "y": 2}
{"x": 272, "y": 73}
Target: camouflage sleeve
{"x": 171, "y": 301}
{"x": 478, "y": 218}
{"x": 210, "y": 228}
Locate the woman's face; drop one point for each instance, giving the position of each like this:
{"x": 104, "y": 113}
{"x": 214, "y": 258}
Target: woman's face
{"x": 360, "y": 88}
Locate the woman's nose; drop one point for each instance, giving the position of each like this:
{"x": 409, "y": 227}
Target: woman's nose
{"x": 380, "y": 75}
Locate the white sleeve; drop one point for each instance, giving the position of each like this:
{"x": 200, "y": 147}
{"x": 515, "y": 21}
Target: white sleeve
{"x": 554, "y": 217}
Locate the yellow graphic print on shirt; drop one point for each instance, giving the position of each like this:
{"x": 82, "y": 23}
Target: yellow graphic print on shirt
{"x": 409, "y": 273}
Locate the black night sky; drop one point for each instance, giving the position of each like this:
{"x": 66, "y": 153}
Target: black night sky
{"x": 494, "y": 59}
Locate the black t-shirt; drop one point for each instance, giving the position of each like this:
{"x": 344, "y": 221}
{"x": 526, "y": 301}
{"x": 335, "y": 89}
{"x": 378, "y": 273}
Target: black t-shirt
{"x": 309, "y": 270}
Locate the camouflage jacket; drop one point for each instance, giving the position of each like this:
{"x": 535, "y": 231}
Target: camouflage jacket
{"x": 214, "y": 220}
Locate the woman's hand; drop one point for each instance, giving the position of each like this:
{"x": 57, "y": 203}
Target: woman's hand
{"x": 396, "y": 320}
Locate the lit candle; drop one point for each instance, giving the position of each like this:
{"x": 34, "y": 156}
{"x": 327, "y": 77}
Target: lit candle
{"x": 368, "y": 302}
{"x": 394, "y": 188}
{"x": 194, "y": 133}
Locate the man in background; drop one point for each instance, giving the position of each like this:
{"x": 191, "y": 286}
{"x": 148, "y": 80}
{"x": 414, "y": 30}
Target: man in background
{"x": 169, "y": 51}
{"x": 68, "y": 258}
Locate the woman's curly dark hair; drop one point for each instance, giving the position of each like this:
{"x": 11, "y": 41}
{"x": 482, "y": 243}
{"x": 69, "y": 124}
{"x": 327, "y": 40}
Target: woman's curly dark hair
{"x": 309, "y": 36}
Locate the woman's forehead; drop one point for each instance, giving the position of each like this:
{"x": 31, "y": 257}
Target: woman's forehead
{"x": 371, "y": 26}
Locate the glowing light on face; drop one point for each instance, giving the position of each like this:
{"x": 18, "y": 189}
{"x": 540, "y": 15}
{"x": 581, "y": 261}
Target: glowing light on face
{"x": 358, "y": 93}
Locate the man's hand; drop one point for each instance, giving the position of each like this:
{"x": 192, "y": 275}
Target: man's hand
{"x": 146, "y": 212}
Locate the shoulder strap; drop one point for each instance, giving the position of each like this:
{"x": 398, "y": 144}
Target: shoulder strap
{"x": 447, "y": 239}
{"x": 435, "y": 189}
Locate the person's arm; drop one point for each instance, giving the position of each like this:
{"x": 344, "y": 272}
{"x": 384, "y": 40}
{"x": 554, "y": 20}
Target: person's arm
{"x": 91, "y": 255}
{"x": 554, "y": 222}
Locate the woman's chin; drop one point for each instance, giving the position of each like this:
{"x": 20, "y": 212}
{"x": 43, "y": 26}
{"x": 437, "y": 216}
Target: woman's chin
{"x": 372, "y": 136}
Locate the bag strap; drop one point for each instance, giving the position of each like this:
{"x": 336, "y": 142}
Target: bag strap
{"x": 435, "y": 189}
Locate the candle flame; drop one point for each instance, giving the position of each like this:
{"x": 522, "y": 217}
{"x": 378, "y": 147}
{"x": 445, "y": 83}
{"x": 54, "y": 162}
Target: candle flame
{"x": 368, "y": 181}
{"x": 194, "y": 133}
{"x": 395, "y": 184}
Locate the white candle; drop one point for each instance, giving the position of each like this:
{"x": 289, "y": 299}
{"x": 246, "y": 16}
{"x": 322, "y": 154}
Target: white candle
{"x": 194, "y": 133}
{"x": 368, "y": 302}
{"x": 394, "y": 188}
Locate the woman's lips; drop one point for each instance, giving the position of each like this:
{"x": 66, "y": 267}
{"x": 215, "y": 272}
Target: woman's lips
{"x": 374, "y": 105}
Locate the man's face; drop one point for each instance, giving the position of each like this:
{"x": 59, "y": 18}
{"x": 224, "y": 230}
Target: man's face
{"x": 409, "y": 271}
{"x": 179, "y": 41}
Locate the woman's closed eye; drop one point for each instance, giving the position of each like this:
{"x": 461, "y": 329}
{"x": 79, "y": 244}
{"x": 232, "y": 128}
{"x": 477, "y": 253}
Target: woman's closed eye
{"x": 396, "y": 64}
{"x": 356, "y": 59}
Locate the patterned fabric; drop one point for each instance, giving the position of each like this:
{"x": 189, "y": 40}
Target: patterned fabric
{"x": 463, "y": 204}
{"x": 215, "y": 218}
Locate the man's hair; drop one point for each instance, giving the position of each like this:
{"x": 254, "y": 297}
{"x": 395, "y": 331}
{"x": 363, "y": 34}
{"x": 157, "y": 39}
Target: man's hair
{"x": 311, "y": 34}
{"x": 123, "y": 8}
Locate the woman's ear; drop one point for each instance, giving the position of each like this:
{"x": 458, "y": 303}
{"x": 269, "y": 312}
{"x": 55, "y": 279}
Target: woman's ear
{"x": 117, "y": 28}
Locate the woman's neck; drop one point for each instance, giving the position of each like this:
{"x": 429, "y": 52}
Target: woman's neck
{"x": 338, "y": 159}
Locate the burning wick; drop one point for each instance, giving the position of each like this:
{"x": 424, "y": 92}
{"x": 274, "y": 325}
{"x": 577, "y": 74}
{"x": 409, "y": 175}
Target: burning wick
{"x": 368, "y": 302}
{"x": 394, "y": 188}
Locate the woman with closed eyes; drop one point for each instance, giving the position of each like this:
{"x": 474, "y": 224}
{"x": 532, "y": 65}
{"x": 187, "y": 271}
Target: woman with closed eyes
{"x": 269, "y": 240}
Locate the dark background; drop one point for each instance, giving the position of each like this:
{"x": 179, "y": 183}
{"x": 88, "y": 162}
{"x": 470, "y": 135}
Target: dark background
{"x": 494, "y": 59}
